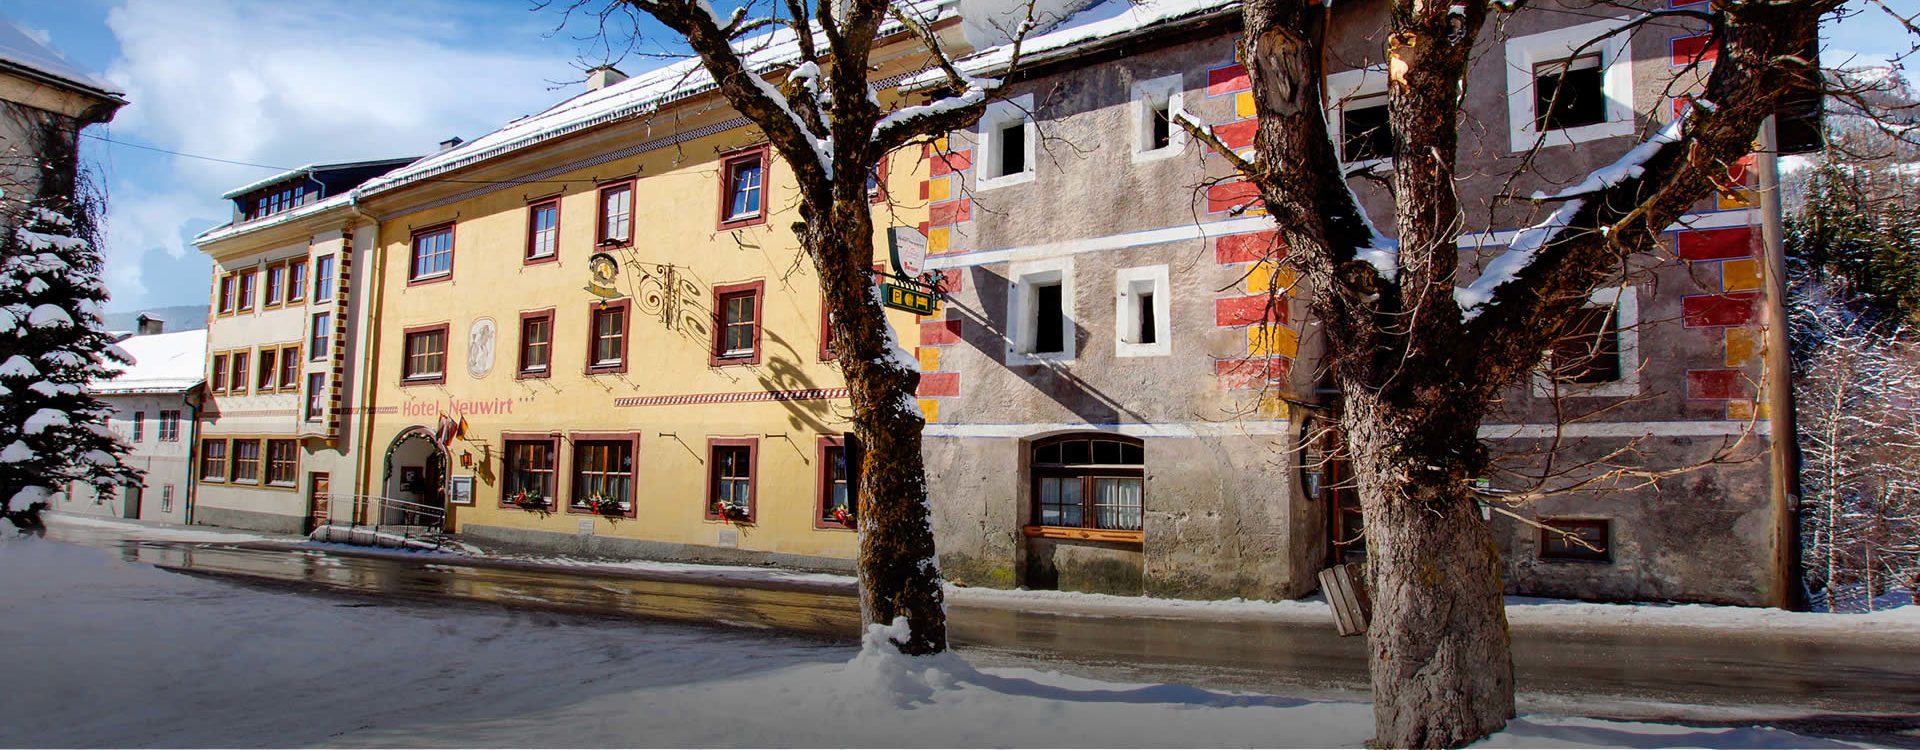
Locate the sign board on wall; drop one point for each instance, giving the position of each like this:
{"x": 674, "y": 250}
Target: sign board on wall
{"x": 908, "y": 248}
{"x": 912, "y": 298}
{"x": 462, "y": 493}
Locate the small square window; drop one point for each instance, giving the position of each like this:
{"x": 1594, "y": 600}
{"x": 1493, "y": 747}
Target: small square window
{"x": 736, "y": 335}
{"x": 532, "y": 471}
{"x": 1006, "y": 139}
{"x": 213, "y": 460}
{"x": 1577, "y": 539}
{"x": 169, "y": 426}
{"x": 543, "y": 231}
{"x": 283, "y": 462}
{"x": 1142, "y": 311}
{"x": 246, "y": 461}
{"x": 1040, "y": 313}
{"x": 1365, "y": 134}
{"x": 536, "y": 344}
{"x": 603, "y": 476}
{"x": 1590, "y": 352}
{"x": 1568, "y": 93}
{"x": 743, "y": 194}
{"x": 1156, "y": 103}
{"x": 432, "y": 255}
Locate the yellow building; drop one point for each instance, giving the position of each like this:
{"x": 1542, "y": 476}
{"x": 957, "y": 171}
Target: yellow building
{"x": 596, "y": 331}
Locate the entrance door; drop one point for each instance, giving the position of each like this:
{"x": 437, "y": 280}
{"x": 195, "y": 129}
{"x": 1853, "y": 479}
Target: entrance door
{"x": 131, "y": 494}
{"x": 318, "y": 505}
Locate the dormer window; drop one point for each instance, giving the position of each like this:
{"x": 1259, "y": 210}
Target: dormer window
{"x": 275, "y": 201}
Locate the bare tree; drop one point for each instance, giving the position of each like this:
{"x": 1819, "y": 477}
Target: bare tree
{"x": 1419, "y": 357}
{"x": 825, "y": 119}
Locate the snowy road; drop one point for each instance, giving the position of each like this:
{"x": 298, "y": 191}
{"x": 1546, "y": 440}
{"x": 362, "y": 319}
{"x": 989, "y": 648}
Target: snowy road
{"x": 1828, "y": 684}
{"x": 98, "y": 652}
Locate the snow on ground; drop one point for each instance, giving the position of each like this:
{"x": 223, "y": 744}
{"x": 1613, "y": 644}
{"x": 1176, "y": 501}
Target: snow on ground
{"x": 98, "y": 652}
{"x": 155, "y": 532}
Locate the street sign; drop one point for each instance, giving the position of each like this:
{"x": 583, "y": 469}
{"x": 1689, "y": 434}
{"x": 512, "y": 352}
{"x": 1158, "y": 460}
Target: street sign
{"x": 912, "y": 298}
{"x": 605, "y": 271}
{"x": 908, "y": 247}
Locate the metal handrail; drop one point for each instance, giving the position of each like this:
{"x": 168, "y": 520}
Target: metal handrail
{"x": 379, "y": 507}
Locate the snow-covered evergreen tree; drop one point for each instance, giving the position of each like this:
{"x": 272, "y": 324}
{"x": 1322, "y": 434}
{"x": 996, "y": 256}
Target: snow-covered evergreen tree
{"x": 52, "y": 431}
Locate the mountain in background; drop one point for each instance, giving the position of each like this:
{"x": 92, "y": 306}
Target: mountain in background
{"x": 178, "y": 318}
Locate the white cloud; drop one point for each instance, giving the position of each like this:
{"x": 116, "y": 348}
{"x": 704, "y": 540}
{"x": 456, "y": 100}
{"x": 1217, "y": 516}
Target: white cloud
{"x": 290, "y": 84}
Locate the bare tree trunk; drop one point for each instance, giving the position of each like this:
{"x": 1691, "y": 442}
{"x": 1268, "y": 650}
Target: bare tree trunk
{"x": 1440, "y": 662}
{"x": 899, "y": 574}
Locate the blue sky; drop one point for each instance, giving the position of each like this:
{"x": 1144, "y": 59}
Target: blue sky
{"x": 286, "y": 84}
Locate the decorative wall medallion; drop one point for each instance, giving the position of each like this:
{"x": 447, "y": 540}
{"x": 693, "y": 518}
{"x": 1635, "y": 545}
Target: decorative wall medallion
{"x": 480, "y": 343}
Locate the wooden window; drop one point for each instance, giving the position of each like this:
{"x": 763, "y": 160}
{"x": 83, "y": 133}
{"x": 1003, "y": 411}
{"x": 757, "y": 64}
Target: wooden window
{"x": 283, "y": 463}
{"x": 267, "y": 369}
{"x": 276, "y": 284}
{"x": 296, "y": 280}
{"x": 426, "y": 355}
{"x": 1568, "y": 93}
{"x": 237, "y": 371}
{"x": 607, "y": 336}
{"x": 730, "y": 479}
{"x": 543, "y": 231}
{"x": 532, "y": 470}
{"x": 432, "y": 255}
{"x": 219, "y": 379}
{"x": 320, "y": 336}
{"x": 213, "y": 460}
{"x": 838, "y": 492}
{"x": 743, "y": 188}
{"x": 289, "y": 367}
{"x": 1589, "y": 352}
{"x": 226, "y": 294}
{"x": 736, "y": 325}
{"x": 616, "y": 214}
{"x": 169, "y": 427}
{"x": 1365, "y": 133}
{"x": 1089, "y": 482}
{"x": 877, "y": 182}
{"x": 1585, "y": 540}
{"x": 602, "y": 473}
{"x": 536, "y": 344}
{"x": 246, "y": 461}
{"x": 245, "y": 285}
{"x": 139, "y": 426}
{"x": 316, "y": 396}
{"x": 323, "y": 279}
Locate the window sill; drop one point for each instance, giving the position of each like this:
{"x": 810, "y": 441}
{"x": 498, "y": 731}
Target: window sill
{"x": 434, "y": 279}
{"x": 743, "y": 222}
{"x": 540, "y": 259}
{"x": 1160, "y": 154}
{"x": 735, "y": 360}
{"x": 1085, "y": 535}
{"x": 540, "y": 374}
{"x": 437, "y": 380}
{"x": 1525, "y": 138}
{"x": 613, "y": 369}
{"x": 982, "y": 184}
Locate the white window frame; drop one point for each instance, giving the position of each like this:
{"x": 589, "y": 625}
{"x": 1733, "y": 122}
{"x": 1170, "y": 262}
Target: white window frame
{"x": 987, "y": 144}
{"x": 1346, "y": 86}
{"x": 1021, "y": 303}
{"x": 1169, "y": 90}
{"x": 1616, "y": 82}
{"x": 1128, "y": 284}
{"x": 1626, "y": 320}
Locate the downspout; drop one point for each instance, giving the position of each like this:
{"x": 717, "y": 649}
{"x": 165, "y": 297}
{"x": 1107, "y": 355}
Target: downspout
{"x": 1783, "y": 448}
{"x": 369, "y": 336}
{"x": 193, "y": 458}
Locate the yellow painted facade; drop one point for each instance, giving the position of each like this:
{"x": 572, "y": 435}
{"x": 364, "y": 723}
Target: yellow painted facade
{"x": 670, "y": 398}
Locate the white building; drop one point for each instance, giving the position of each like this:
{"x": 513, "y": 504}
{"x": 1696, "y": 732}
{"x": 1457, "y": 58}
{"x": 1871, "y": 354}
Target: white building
{"x": 156, "y": 403}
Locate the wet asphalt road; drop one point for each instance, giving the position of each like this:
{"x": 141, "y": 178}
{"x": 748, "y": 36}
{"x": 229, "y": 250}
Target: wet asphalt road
{"x": 1867, "y": 688}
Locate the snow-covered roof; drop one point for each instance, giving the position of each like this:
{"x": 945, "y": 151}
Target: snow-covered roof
{"x": 1100, "y": 22}
{"x": 307, "y": 170}
{"x": 163, "y": 362}
{"x": 637, "y": 95}
{"x": 21, "y": 50}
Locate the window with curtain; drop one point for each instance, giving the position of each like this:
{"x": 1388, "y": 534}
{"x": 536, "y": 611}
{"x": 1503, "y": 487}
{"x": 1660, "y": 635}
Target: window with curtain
{"x": 1089, "y": 482}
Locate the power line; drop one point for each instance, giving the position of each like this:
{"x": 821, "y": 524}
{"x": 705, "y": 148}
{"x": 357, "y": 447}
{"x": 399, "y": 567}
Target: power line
{"x": 105, "y": 139}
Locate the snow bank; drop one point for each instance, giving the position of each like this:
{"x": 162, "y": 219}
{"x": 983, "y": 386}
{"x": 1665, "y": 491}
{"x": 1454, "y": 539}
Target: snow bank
{"x": 99, "y": 652}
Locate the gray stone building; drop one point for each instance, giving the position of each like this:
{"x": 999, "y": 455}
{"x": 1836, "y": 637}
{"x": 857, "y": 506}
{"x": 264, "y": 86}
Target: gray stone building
{"x": 1124, "y": 390}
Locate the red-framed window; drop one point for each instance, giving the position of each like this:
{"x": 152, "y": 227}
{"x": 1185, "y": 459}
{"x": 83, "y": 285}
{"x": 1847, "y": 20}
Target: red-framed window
{"x": 213, "y": 460}
{"x": 226, "y": 294}
{"x": 607, "y": 337}
{"x": 296, "y": 280}
{"x": 743, "y": 188}
{"x": 603, "y": 469}
{"x": 615, "y": 214}
{"x": 543, "y": 231}
{"x": 323, "y": 279}
{"x": 244, "y": 280}
{"x": 827, "y": 354}
{"x": 536, "y": 344}
{"x": 289, "y": 367}
{"x": 532, "y": 467}
{"x": 319, "y": 336}
{"x": 424, "y": 355}
{"x": 736, "y": 323}
{"x": 838, "y": 491}
{"x": 877, "y": 182}
{"x": 731, "y": 473}
{"x": 219, "y": 379}
{"x": 432, "y": 257}
{"x": 276, "y": 285}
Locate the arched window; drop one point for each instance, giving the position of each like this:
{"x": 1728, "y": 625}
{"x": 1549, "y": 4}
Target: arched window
{"x": 1089, "y": 482}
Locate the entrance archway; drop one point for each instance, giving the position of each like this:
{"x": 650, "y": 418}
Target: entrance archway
{"x": 416, "y": 477}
